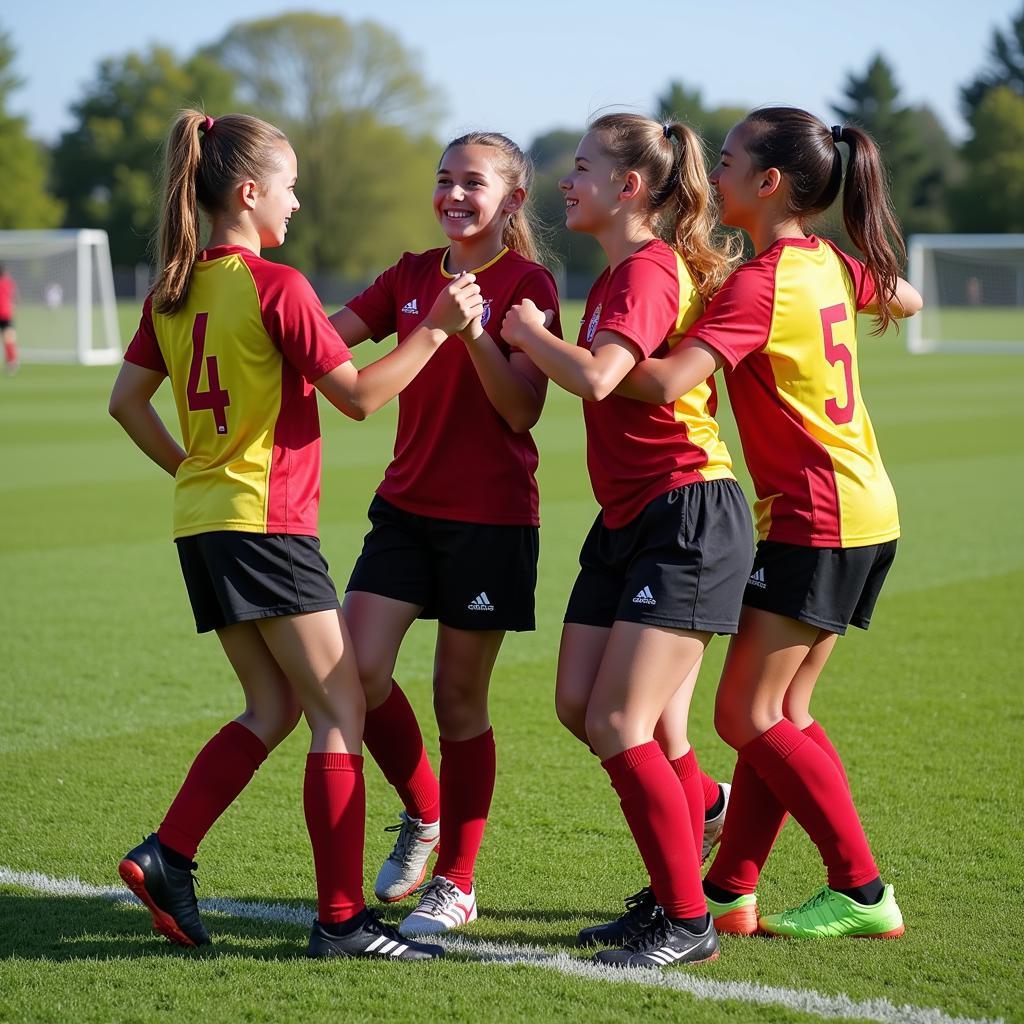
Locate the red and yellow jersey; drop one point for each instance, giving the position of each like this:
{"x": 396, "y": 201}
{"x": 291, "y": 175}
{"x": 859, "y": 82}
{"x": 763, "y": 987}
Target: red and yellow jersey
{"x": 637, "y": 451}
{"x": 455, "y": 457}
{"x": 785, "y": 325}
{"x": 241, "y": 355}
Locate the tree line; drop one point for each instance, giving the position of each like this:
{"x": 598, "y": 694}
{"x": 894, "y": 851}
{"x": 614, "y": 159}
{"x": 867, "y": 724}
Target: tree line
{"x": 363, "y": 122}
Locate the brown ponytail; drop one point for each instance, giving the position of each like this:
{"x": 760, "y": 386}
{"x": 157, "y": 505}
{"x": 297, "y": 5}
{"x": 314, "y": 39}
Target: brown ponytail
{"x": 670, "y": 157}
{"x": 515, "y": 168}
{"x": 204, "y": 159}
{"x": 806, "y": 152}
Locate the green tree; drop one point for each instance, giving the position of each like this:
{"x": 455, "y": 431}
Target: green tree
{"x": 1006, "y": 67}
{"x": 991, "y": 197}
{"x": 915, "y": 148}
{"x": 359, "y": 115}
{"x": 24, "y": 200}
{"x": 107, "y": 166}
{"x": 680, "y": 102}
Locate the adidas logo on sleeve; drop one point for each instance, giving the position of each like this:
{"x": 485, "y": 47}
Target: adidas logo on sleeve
{"x": 411, "y": 307}
{"x": 757, "y": 579}
{"x": 481, "y": 603}
{"x": 644, "y": 597}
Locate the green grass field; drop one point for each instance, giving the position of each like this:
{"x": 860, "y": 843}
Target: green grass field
{"x": 107, "y": 694}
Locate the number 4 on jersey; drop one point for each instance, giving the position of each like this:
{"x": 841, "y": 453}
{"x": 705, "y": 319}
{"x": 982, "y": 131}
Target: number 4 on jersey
{"x": 215, "y": 398}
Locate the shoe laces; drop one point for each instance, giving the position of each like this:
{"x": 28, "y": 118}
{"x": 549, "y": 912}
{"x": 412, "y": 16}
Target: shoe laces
{"x": 640, "y": 905}
{"x": 650, "y": 937}
{"x": 373, "y": 923}
{"x": 819, "y": 897}
{"x": 436, "y": 894}
{"x": 406, "y": 832}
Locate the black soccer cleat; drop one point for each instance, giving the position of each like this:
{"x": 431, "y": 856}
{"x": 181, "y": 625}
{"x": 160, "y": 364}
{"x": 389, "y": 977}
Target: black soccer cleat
{"x": 662, "y": 944}
{"x": 641, "y": 910}
{"x": 372, "y": 938}
{"x": 168, "y": 892}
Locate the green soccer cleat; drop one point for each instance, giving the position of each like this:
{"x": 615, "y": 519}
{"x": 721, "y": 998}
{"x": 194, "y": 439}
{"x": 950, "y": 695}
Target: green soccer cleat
{"x": 828, "y": 913}
{"x": 736, "y": 918}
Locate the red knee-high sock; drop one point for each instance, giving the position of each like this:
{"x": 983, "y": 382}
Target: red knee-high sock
{"x": 754, "y": 822}
{"x": 10, "y": 353}
{"x": 334, "y": 801}
{"x": 807, "y": 783}
{"x": 655, "y": 808}
{"x": 392, "y": 736}
{"x": 221, "y": 770}
{"x": 818, "y": 734}
{"x": 710, "y": 791}
{"x": 467, "y": 784}
{"x": 692, "y": 778}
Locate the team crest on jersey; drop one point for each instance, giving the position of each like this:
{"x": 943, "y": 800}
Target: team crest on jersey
{"x": 592, "y": 326}
{"x": 486, "y": 314}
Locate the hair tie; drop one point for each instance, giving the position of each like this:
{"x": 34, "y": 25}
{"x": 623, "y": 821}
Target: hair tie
{"x": 837, "y": 133}
{"x": 207, "y": 126}
{"x": 666, "y": 129}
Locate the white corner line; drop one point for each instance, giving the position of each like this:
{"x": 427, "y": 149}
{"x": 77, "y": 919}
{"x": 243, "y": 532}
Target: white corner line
{"x": 806, "y": 1001}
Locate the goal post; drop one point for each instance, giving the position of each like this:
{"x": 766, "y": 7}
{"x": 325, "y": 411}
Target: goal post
{"x": 973, "y": 291}
{"x": 65, "y": 308}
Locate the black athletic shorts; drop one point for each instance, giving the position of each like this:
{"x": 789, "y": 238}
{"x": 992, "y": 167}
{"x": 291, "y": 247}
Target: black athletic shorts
{"x": 466, "y": 575}
{"x": 233, "y": 576}
{"x": 830, "y": 588}
{"x": 4, "y": 324}
{"x": 682, "y": 563}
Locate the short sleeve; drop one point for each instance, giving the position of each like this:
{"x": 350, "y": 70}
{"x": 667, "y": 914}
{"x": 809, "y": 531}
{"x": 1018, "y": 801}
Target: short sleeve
{"x": 539, "y": 287}
{"x": 863, "y": 282}
{"x": 738, "y": 319}
{"x": 376, "y": 305}
{"x": 641, "y": 303}
{"x": 144, "y": 349}
{"x": 297, "y": 323}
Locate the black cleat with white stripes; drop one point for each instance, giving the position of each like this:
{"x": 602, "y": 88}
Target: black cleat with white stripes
{"x": 663, "y": 943}
{"x": 371, "y": 937}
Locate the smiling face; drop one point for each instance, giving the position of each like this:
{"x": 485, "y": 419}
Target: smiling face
{"x": 737, "y": 181}
{"x": 471, "y": 200}
{"x": 275, "y": 200}
{"x": 591, "y": 189}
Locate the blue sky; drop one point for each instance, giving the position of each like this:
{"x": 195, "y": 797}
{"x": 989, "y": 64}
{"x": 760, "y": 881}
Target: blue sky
{"x": 526, "y": 67}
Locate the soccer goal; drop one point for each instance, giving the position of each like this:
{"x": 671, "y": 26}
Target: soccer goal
{"x": 65, "y": 309}
{"x": 973, "y": 290}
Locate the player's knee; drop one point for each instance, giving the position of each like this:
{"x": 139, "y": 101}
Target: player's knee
{"x": 606, "y": 729}
{"x": 730, "y": 724}
{"x": 459, "y": 709}
{"x": 572, "y": 713}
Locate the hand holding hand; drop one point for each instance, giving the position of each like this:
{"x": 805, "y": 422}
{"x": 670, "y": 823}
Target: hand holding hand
{"x": 457, "y": 305}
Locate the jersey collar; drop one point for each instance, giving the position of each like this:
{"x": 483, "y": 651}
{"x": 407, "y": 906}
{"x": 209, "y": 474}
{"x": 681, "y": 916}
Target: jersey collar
{"x": 475, "y": 270}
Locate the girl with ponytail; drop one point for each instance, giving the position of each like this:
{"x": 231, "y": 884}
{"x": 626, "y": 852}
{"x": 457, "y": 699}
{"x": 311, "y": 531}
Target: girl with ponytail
{"x": 245, "y": 342}
{"x": 454, "y": 523}
{"x": 784, "y": 327}
{"x": 664, "y": 565}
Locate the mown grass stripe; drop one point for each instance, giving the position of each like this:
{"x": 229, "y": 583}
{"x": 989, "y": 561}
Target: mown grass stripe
{"x": 806, "y": 1001}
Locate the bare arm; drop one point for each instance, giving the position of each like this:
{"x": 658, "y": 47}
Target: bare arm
{"x": 514, "y": 386}
{"x": 660, "y": 381}
{"x": 592, "y": 374}
{"x": 130, "y": 405}
{"x": 358, "y": 393}
{"x": 350, "y": 327}
{"x": 905, "y": 301}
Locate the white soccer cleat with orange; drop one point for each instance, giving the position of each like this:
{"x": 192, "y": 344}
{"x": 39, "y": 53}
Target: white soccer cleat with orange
{"x": 443, "y": 906}
{"x": 406, "y": 867}
{"x": 713, "y": 826}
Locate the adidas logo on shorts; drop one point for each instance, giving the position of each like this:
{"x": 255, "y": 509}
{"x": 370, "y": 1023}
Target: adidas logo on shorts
{"x": 481, "y": 603}
{"x": 411, "y": 307}
{"x": 757, "y": 579}
{"x": 644, "y": 597}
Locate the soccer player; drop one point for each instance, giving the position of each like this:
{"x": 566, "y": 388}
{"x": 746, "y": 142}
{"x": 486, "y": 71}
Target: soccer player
{"x": 244, "y": 342}
{"x": 8, "y": 295}
{"x": 664, "y": 565}
{"x": 784, "y": 327}
{"x": 454, "y": 532}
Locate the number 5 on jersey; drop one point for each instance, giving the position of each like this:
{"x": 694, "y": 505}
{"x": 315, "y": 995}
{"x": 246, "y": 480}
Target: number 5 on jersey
{"x": 215, "y": 398}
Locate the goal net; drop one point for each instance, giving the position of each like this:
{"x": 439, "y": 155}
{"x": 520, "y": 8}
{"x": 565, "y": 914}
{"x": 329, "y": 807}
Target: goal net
{"x": 973, "y": 291}
{"x": 65, "y": 309}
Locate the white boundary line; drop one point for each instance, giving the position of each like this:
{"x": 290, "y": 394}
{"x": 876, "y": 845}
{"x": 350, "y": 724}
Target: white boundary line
{"x": 807, "y": 1001}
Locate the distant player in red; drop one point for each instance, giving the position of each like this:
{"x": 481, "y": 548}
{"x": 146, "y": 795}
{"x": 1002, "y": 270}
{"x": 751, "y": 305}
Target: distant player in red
{"x": 8, "y": 295}
{"x": 784, "y": 327}
{"x": 244, "y": 343}
{"x": 455, "y": 521}
{"x": 665, "y": 563}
